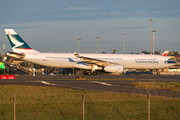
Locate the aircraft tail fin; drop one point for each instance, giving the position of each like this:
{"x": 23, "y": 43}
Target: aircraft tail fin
{"x": 17, "y": 43}
{"x": 165, "y": 53}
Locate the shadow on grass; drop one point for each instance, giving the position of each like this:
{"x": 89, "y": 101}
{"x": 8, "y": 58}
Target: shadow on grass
{"x": 174, "y": 110}
{"x": 119, "y": 113}
{"x": 3, "y": 116}
{"x": 62, "y": 114}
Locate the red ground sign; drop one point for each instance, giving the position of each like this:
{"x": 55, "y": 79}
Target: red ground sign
{"x": 7, "y": 76}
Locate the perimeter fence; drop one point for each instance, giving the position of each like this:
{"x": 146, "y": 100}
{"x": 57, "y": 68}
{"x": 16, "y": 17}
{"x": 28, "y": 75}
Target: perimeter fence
{"x": 68, "y": 104}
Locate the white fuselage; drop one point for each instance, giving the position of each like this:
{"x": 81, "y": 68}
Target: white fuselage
{"x": 69, "y": 60}
{"x": 106, "y": 62}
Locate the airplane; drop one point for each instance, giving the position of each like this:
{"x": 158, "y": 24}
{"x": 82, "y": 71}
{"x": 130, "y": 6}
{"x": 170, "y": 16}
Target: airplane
{"x": 165, "y": 53}
{"x": 93, "y": 62}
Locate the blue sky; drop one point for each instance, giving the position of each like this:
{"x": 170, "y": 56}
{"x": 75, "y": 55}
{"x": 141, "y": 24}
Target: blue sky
{"x": 55, "y": 25}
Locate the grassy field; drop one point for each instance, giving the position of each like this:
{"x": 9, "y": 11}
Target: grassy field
{"x": 172, "y": 86}
{"x": 54, "y": 103}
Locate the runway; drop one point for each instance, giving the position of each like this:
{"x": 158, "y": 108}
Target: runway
{"x": 98, "y": 83}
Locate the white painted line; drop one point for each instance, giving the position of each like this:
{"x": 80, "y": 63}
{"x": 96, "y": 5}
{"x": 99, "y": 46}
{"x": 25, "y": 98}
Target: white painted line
{"x": 103, "y": 83}
{"x": 47, "y": 83}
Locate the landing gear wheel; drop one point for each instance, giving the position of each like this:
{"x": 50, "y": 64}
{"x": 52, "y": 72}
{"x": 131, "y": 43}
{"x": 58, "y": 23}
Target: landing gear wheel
{"x": 84, "y": 73}
{"x": 94, "y": 73}
{"x": 158, "y": 73}
{"x": 89, "y": 73}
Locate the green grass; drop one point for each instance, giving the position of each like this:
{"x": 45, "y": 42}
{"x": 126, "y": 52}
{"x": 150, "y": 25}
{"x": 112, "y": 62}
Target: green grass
{"x": 172, "y": 86}
{"x": 54, "y": 103}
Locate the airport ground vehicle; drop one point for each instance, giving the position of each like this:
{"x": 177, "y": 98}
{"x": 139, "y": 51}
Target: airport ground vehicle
{"x": 18, "y": 67}
{"x": 2, "y": 66}
{"x": 11, "y": 65}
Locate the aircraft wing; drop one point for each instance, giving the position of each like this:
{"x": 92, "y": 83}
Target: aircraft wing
{"x": 94, "y": 61}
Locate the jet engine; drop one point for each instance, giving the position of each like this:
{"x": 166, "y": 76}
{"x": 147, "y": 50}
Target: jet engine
{"x": 114, "y": 68}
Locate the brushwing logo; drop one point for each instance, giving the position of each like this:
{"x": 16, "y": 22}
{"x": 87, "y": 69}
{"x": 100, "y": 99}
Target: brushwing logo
{"x": 14, "y": 41}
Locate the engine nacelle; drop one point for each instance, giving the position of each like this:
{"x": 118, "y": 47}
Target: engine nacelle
{"x": 114, "y": 68}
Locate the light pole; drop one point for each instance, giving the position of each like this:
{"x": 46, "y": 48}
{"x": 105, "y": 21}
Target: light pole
{"x": 97, "y": 43}
{"x": 3, "y": 51}
{"x": 3, "y": 54}
{"x": 150, "y": 34}
{"x": 123, "y": 43}
{"x": 79, "y": 44}
{"x": 153, "y": 39}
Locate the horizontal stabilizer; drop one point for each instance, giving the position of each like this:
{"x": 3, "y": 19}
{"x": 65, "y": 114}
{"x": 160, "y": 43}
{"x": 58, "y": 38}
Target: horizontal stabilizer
{"x": 19, "y": 55}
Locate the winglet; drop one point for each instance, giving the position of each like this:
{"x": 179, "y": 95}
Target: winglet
{"x": 165, "y": 53}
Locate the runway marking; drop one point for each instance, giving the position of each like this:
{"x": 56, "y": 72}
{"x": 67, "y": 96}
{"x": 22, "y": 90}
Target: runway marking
{"x": 47, "y": 83}
{"x": 62, "y": 85}
{"x": 103, "y": 83}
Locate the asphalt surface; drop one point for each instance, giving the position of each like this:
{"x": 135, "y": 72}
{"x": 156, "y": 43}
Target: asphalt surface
{"x": 99, "y": 83}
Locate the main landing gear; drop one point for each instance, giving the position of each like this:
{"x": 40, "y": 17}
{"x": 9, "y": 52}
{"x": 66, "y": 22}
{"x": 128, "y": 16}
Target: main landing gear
{"x": 90, "y": 73}
{"x": 158, "y": 73}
